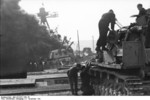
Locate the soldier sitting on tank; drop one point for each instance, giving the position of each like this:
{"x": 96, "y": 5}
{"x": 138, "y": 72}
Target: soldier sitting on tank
{"x": 73, "y": 78}
{"x": 86, "y": 88}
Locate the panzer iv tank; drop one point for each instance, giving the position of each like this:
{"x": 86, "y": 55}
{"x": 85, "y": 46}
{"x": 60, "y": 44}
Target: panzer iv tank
{"x": 124, "y": 69}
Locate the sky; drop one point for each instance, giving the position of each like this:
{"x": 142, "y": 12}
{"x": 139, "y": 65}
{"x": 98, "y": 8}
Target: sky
{"x": 83, "y": 15}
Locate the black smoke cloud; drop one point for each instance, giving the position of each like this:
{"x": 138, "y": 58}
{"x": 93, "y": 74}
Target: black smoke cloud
{"x": 22, "y": 39}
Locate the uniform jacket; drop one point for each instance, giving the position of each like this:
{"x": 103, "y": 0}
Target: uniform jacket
{"x": 106, "y": 19}
{"x": 73, "y": 72}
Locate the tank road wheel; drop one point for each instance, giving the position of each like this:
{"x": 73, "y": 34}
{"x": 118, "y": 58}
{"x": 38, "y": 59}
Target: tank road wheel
{"x": 110, "y": 86}
{"x": 122, "y": 89}
{"x": 114, "y": 89}
{"x": 103, "y": 89}
{"x": 106, "y": 88}
{"x": 110, "y": 91}
{"x": 128, "y": 93}
{"x": 106, "y": 85}
{"x": 95, "y": 89}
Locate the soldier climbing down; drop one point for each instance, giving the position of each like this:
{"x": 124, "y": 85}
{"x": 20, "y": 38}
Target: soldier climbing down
{"x": 73, "y": 78}
{"x": 103, "y": 26}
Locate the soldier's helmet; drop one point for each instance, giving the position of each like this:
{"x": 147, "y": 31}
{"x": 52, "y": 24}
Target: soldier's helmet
{"x": 111, "y": 11}
{"x": 78, "y": 66}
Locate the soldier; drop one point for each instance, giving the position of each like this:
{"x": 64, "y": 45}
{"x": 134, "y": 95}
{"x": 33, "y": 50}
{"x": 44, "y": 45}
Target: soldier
{"x": 85, "y": 79}
{"x": 142, "y": 11}
{"x": 73, "y": 78}
{"x": 141, "y": 18}
{"x": 103, "y": 26}
{"x": 147, "y": 40}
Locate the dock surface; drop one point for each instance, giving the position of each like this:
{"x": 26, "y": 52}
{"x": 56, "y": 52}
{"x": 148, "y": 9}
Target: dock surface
{"x": 44, "y": 83}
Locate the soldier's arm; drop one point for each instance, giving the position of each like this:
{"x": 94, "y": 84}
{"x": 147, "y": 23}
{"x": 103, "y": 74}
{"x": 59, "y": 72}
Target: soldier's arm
{"x": 113, "y": 19}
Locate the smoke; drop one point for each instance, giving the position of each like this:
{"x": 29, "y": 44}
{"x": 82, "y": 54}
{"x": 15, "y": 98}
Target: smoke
{"x": 21, "y": 38}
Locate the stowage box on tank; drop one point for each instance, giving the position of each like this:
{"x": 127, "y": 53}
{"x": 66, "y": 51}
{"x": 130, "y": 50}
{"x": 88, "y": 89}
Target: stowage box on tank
{"x": 133, "y": 56}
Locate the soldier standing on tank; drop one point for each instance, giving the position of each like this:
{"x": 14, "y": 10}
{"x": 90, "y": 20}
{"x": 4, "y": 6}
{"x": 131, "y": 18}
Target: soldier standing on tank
{"x": 147, "y": 40}
{"x": 103, "y": 27}
{"x": 141, "y": 18}
{"x": 73, "y": 78}
{"x": 142, "y": 11}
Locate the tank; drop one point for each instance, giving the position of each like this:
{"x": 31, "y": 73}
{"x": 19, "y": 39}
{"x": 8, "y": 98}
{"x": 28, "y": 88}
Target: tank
{"x": 63, "y": 57}
{"x": 124, "y": 69}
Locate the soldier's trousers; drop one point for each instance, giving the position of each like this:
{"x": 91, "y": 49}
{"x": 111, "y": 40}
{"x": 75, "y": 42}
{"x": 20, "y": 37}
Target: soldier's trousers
{"x": 101, "y": 42}
{"x": 74, "y": 85}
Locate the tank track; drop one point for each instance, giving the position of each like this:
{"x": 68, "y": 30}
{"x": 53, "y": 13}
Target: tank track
{"x": 112, "y": 82}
